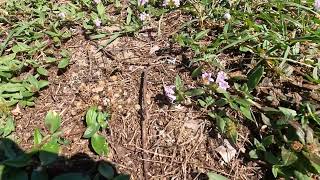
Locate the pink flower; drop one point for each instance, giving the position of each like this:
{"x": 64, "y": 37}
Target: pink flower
{"x": 169, "y": 91}
{"x": 97, "y": 1}
{"x": 97, "y": 22}
{"x": 143, "y": 16}
{"x": 206, "y": 78}
{"x": 317, "y": 5}
{"x": 221, "y": 80}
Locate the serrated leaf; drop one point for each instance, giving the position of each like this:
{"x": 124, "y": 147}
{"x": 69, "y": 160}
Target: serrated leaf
{"x": 254, "y": 77}
{"x": 52, "y": 121}
{"x": 100, "y": 145}
{"x": 72, "y": 176}
{"x": 42, "y": 71}
{"x": 63, "y": 63}
{"x": 37, "y": 137}
{"x": 91, "y": 130}
{"x": 215, "y": 176}
{"x": 288, "y": 156}
{"x": 106, "y": 170}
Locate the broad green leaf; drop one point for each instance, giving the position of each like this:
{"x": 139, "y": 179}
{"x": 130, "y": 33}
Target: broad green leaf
{"x": 122, "y": 177}
{"x": 49, "y": 152}
{"x": 246, "y": 112}
{"x": 91, "y": 116}
{"x": 52, "y": 121}
{"x": 270, "y": 158}
{"x": 267, "y": 141}
{"x": 63, "y": 63}
{"x": 99, "y": 144}
{"x": 101, "y": 10}
{"x": 254, "y": 77}
{"x": 195, "y": 92}
{"x": 43, "y": 83}
{"x": 103, "y": 119}
{"x": 91, "y": 130}
{"x": 37, "y": 137}
{"x": 106, "y": 170}
{"x": 20, "y": 161}
{"x": 275, "y": 170}
{"x": 72, "y": 176}
{"x": 7, "y": 57}
{"x": 39, "y": 175}
{"x": 221, "y": 124}
{"x": 9, "y": 127}
{"x": 259, "y": 145}
{"x": 301, "y": 176}
{"x": 20, "y": 175}
{"x": 42, "y": 71}
{"x": 288, "y": 156}
{"x": 197, "y": 72}
{"x": 253, "y": 154}
{"x": 215, "y": 176}
{"x": 288, "y": 112}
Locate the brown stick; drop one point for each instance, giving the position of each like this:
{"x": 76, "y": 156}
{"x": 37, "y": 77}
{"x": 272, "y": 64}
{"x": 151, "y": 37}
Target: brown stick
{"x": 144, "y": 119}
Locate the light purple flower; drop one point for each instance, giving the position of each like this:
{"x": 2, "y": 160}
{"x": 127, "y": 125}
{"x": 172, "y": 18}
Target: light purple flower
{"x": 143, "y": 16}
{"x": 97, "y": 1}
{"x": 258, "y": 21}
{"x": 142, "y": 2}
{"x": 97, "y": 22}
{"x": 62, "y": 15}
{"x": 317, "y": 5}
{"x": 169, "y": 91}
{"x": 221, "y": 80}
{"x": 206, "y": 78}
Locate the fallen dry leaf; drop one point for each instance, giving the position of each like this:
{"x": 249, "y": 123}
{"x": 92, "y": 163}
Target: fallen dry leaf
{"x": 226, "y": 151}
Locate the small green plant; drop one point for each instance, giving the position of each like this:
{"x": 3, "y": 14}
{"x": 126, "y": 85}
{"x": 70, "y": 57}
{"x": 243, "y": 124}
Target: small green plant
{"x": 95, "y": 121}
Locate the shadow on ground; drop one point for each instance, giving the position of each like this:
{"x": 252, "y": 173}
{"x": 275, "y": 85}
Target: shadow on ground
{"x": 42, "y": 165}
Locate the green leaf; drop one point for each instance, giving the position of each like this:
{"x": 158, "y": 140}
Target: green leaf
{"x": 301, "y": 176}
{"x": 288, "y": 156}
{"x": 99, "y": 144}
{"x": 246, "y": 112}
{"x": 42, "y": 71}
{"x": 197, "y": 72}
{"x": 254, "y": 77}
{"x": 253, "y": 154}
{"x": 7, "y": 57}
{"x": 270, "y": 158}
{"x": 195, "y": 92}
{"x": 91, "y": 130}
{"x": 122, "y": 177}
{"x": 267, "y": 141}
{"x": 49, "y": 152}
{"x": 37, "y": 137}
{"x": 259, "y": 145}
{"x": 201, "y": 34}
{"x": 39, "y": 175}
{"x": 42, "y": 84}
{"x": 91, "y": 116}
{"x": 178, "y": 83}
{"x": 101, "y": 10}
{"x": 52, "y": 121}
{"x": 72, "y": 176}
{"x": 288, "y": 112}
{"x": 215, "y": 176}
{"x": 103, "y": 119}
{"x": 9, "y": 127}
{"x": 106, "y": 170}
{"x": 20, "y": 175}
{"x": 20, "y": 161}
{"x": 275, "y": 170}
{"x": 63, "y": 63}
